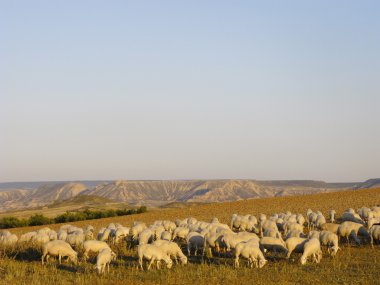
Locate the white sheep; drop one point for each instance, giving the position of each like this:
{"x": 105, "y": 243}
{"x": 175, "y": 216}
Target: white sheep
{"x": 152, "y": 253}
{"x": 312, "y": 248}
{"x": 75, "y": 239}
{"x": 94, "y": 246}
{"x": 104, "y": 259}
{"x": 273, "y": 244}
{"x": 58, "y": 248}
{"x": 195, "y": 241}
{"x": 180, "y": 232}
{"x": 172, "y": 249}
{"x": 332, "y": 214}
{"x": 314, "y": 234}
{"x": 330, "y": 240}
{"x": 373, "y": 221}
{"x": 27, "y": 237}
{"x": 320, "y": 221}
{"x": 166, "y": 236}
{"x": 352, "y": 217}
{"x": 347, "y": 229}
{"x": 331, "y": 227}
{"x": 230, "y": 240}
{"x": 374, "y": 233}
{"x": 8, "y": 240}
{"x": 295, "y": 244}
{"x": 121, "y": 233}
{"x": 251, "y": 251}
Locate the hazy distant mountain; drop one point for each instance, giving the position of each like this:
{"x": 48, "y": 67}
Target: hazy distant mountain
{"x": 160, "y": 192}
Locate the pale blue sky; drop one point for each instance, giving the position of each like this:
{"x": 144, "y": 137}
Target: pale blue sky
{"x": 189, "y": 89}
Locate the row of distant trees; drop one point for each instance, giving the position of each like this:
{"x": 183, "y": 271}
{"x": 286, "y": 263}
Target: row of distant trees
{"x": 38, "y": 219}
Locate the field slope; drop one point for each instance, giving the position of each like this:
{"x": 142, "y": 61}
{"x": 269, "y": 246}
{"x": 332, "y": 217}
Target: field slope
{"x": 353, "y": 265}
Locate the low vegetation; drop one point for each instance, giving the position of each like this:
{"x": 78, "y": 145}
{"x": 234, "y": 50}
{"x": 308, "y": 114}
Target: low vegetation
{"x": 39, "y": 220}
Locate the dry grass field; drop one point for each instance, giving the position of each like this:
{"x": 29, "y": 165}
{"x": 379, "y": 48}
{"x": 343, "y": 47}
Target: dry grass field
{"x": 353, "y": 265}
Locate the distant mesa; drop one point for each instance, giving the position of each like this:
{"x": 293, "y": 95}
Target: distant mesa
{"x": 160, "y": 192}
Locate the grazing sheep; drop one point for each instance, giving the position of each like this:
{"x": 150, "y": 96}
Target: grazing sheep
{"x": 75, "y": 239}
{"x": 330, "y": 227}
{"x": 272, "y": 233}
{"x": 152, "y": 253}
{"x": 40, "y": 238}
{"x": 266, "y": 225}
{"x": 312, "y": 247}
{"x": 195, "y": 241}
{"x": 314, "y": 234}
{"x": 352, "y": 217}
{"x": 273, "y": 244}
{"x": 212, "y": 240}
{"x": 104, "y": 259}
{"x": 121, "y": 233}
{"x": 62, "y": 234}
{"x": 180, "y": 232}
{"x": 320, "y": 221}
{"x": 137, "y": 228}
{"x": 58, "y": 248}
{"x": 347, "y": 229}
{"x": 166, "y": 236}
{"x": 27, "y": 237}
{"x": 330, "y": 240}
{"x": 374, "y": 233}
{"x": 8, "y": 240}
{"x": 373, "y": 221}
{"x": 146, "y": 236}
{"x": 295, "y": 244}
{"x": 251, "y": 251}
{"x": 230, "y": 240}
{"x": 243, "y": 223}
{"x": 172, "y": 249}
{"x": 104, "y": 235}
{"x": 288, "y": 226}
{"x": 332, "y": 214}
{"x": 294, "y": 233}
{"x": 94, "y": 246}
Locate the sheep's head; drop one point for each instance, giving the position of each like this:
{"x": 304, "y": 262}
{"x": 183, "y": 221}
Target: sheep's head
{"x": 74, "y": 258}
{"x": 183, "y": 260}
{"x": 169, "y": 263}
{"x": 303, "y": 260}
{"x": 262, "y": 263}
{"x": 113, "y": 255}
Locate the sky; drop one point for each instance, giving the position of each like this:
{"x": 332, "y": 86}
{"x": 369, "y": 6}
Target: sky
{"x": 189, "y": 90}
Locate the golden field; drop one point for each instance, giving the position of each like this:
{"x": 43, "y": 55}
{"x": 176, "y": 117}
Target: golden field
{"x": 352, "y": 265}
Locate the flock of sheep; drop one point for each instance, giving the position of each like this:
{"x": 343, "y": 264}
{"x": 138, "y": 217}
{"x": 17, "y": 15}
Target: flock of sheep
{"x": 246, "y": 237}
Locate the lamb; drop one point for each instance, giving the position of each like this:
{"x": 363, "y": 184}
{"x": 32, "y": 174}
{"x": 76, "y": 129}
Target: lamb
{"x": 251, "y": 251}
{"x": 347, "y": 229}
{"x": 58, "y": 248}
{"x": 332, "y": 214}
{"x": 172, "y": 249}
{"x": 104, "y": 259}
{"x": 311, "y": 248}
{"x": 330, "y": 240}
{"x": 94, "y": 246}
{"x": 330, "y": 227}
{"x": 273, "y": 244}
{"x": 152, "y": 253}
{"x": 295, "y": 244}
{"x": 374, "y": 233}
